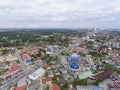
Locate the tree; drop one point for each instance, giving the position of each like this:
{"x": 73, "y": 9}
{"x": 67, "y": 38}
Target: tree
{"x": 39, "y": 54}
{"x": 4, "y": 51}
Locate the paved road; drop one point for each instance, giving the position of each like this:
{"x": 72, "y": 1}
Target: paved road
{"x": 20, "y": 59}
{"x": 58, "y": 53}
{"x": 27, "y": 71}
{"x": 19, "y": 76}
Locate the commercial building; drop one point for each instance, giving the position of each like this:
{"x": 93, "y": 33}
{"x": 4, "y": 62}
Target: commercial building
{"x": 104, "y": 75}
{"x": 80, "y": 87}
{"x": 85, "y": 75}
{"x": 27, "y": 59}
{"x": 21, "y": 83}
{"x": 14, "y": 69}
{"x": 11, "y": 58}
{"x": 38, "y": 73}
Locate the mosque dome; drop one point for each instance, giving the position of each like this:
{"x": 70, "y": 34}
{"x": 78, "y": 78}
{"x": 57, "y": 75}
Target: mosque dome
{"x": 74, "y": 65}
{"x": 74, "y": 57}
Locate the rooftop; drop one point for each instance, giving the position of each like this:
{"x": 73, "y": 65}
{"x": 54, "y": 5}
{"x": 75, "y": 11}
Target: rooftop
{"x": 21, "y": 88}
{"x": 38, "y": 73}
{"x": 74, "y": 65}
{"x": 56, "y": 87}
{"x": 21, "y": 83}
{"x": 25, "y": 56}
{"x": 80, "y": 87}
{"x": 14, "y": 68}
{"x": 47, "y": 79}
{"x": 104, "y": 75}
{"x": 85, "y": 75}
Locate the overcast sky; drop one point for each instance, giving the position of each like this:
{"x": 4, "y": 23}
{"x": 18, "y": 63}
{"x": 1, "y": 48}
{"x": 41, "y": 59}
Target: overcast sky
{"x": 60, "y": 13}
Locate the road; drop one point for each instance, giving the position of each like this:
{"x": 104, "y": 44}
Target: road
{"x": 17, "y": 77}
{"x": 26, "y": 71}
{"x": 58, "y": 53}
{"x": 20, "y": 59}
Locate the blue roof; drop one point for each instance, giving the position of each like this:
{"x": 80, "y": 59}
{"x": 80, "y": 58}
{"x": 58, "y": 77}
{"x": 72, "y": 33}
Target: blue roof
{"x": 50, "y": 47}
{"x": 28, "y": 61}
{"x": 74, "y": 65}
{"x": 21, "y": 83}
{"x": 91, "y": 69}
{"x": 97, "y": 88}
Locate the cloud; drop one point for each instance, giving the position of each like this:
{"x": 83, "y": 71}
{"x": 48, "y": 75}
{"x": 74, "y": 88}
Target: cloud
{"x": 60, "y": 13}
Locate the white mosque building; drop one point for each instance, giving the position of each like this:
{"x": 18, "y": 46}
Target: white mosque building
{"x": 74, "y": 60}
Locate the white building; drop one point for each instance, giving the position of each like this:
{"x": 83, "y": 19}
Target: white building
{"x": 80, "y": 87}
{"x": 38, "y": 73}
{"x": 74, "y": 60}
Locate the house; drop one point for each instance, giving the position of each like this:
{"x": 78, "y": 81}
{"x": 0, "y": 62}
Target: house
{"x": 50, "y": 74}
{"x": 33, "y": 52}
{"x": 63, "y": 71}
{"x": 21, "y": 88}
{"x": 56, "y": 87}
{"x": 78, "y": 49}
{"x": 47, "y": 80}
{"x": 116, "y": 59}
{"x": 47, "y": 67}
{"x": 2, "y": 58}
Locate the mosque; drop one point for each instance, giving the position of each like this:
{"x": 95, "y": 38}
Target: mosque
{"x": 74, "y": 60}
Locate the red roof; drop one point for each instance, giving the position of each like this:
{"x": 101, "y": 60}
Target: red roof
{"x": 24, "y": 52}
{"x": 25, "y": 56}
{"x": 14, "y": 68}
{"x": 56, "y": 87}
{"x": 47, "y": 67}
{"x": 13, "y": 88}
{"x": 21, "y": 88}
{"x": 78, "y": 49}
{"x": 104, "y": 75}
{"x": 47, "y": 79}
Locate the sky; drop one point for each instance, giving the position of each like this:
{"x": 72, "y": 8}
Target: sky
{"x": 59, "y": 13}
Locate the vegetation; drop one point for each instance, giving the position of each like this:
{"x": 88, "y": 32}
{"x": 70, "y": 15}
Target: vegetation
{"x": 54, "y": 80}
{"x": 33, "y": 38}
{"x": 65, "y": 86}
{"x": 65, "y": 52}
{"x": 2, "y": 71}
{"x": 111, "y": 67}
{"x": 95, "y": 54}
{"x": 4, "y": 51}
{"x": 80, "y": 82}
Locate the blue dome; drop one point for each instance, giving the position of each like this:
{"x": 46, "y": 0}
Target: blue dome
{"x": 74, "y": 66}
